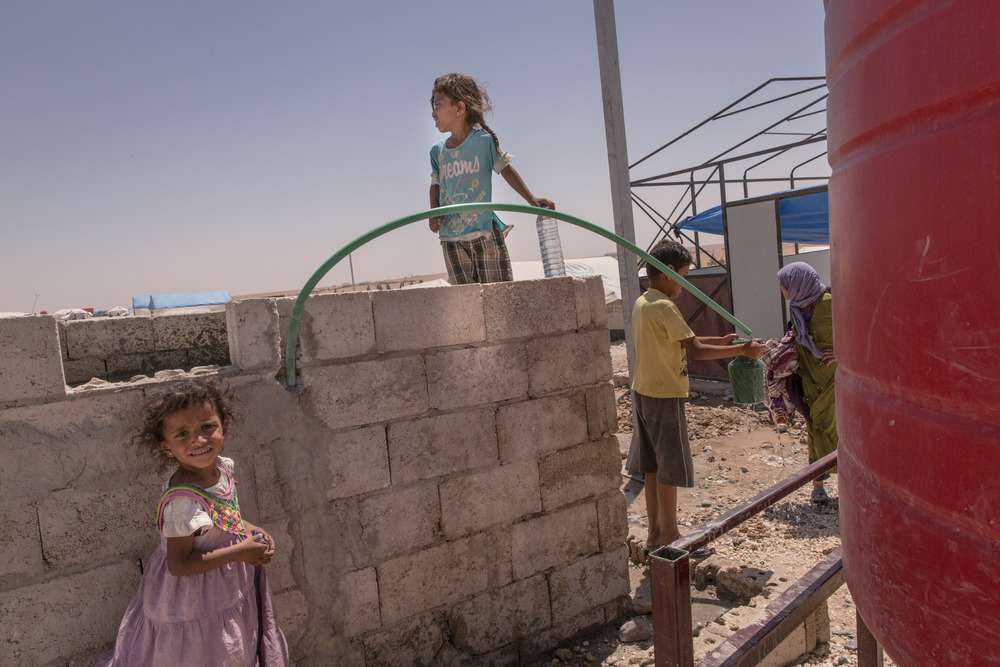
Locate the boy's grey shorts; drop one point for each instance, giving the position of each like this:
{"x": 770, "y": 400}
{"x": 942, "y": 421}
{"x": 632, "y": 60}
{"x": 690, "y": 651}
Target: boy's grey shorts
{"x": 663, "y": 440}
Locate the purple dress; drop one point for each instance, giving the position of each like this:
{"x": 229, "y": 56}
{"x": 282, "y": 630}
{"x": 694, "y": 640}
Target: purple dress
{"x": 223, "y": 617}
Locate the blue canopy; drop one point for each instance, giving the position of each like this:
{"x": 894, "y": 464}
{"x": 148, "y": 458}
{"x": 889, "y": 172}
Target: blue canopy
{"x": 157, "y": 301}
{"x": 804, "y": 218}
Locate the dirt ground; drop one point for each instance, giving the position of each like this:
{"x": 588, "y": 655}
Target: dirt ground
{"x": 737, "y": 454}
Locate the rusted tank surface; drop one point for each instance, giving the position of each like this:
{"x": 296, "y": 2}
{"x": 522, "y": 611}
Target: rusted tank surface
{"x": 914, "y": 139}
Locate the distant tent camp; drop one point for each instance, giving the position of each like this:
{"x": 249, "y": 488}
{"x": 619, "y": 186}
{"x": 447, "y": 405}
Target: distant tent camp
{"x": 185, "y": 300}
{"x": 804, "y": 218}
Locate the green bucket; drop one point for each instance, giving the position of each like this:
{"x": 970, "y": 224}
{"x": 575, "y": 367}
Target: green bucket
{"x": 746, "y": 376}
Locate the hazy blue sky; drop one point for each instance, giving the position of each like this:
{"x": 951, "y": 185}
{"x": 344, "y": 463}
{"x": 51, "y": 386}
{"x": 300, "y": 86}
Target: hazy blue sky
{"x": 157, "y": 147}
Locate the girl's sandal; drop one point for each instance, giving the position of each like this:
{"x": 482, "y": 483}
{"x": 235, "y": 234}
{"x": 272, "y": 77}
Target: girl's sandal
{"x": 820, "y": 498}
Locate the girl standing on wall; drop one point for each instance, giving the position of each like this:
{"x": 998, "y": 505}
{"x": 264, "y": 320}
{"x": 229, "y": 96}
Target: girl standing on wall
{"x": 204, "y": 597}
{"x": 474, "y": 247}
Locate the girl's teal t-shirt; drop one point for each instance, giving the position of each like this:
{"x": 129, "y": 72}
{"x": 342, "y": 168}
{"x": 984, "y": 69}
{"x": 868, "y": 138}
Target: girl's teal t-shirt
{"x": 465, "y": 177}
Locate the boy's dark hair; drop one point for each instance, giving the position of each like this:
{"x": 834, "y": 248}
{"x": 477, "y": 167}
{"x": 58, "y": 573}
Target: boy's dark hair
{"x": 188, "y": 393}
{"x": 671, "y": 253}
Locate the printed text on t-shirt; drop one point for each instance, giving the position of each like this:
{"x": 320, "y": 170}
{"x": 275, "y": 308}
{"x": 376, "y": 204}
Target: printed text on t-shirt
{"x": 459, "y": 167}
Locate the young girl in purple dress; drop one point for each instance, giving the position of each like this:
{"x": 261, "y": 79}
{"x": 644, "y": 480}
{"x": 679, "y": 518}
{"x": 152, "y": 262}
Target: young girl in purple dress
{"x": 204, "y": 597}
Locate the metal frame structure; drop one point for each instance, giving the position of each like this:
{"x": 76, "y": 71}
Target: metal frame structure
{"x": 670, "y": 586}
{"x": 795, "y": 137}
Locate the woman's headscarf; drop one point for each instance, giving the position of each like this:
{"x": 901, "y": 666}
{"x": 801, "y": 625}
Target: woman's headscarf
{"x": 803, "y": 286}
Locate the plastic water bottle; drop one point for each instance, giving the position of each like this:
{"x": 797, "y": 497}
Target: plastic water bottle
{"x": 548, "y": 243}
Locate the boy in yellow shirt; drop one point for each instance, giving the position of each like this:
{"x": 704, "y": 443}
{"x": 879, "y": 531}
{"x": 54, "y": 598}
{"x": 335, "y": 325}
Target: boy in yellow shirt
{"x": 663, "y": 341}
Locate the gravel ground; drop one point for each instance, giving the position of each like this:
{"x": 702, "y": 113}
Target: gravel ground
{"x": 737, "y": 454}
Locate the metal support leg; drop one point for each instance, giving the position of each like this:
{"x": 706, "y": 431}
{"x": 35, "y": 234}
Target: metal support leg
{"x": 670, "y": 586}
{"x": 869, "y": 652}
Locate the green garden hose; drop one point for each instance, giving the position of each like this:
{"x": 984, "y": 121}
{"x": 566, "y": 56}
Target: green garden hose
{"x": 291, "y": 340}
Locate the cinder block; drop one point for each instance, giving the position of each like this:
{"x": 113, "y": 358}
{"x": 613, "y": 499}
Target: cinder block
{"x": 817, "y": 626}
{"x": 359, "y": 462}
{"x": 400, "y": 520}
{"x": 358, "y": 590}
{"x": 80, "y": 528}
{"x": 30, "y": 362}
{"x": 618, "y": 610}
{"x": 612, "y": 519}
{"x": 616, "y": 318}
{"x": 82, "y": 611}
{"x": 489, "y": 621}
{"x": 431, "y": 447}
{"x": 123, "y": 366}
{"x": 329, "y": 540}
{"x": 574, "y": 360}
{"x": 182, "y": 331}
{"x": 268, "y": 413}
{"x": 533, "y": 646}
{"x": 591, "y": 307}
{"x": 553, "y": 539}
{"x": 61, "y": 329}
{"x": 425, "y": 318}
{"x": 270, "y": 487}
{"x": 440, "y": 575}
{"x": 309, "y": 469}
{"x": 107, "y": 336}
{"x": 78, "y": 371}
{"x": 217, "y": 355}
{"x": 336, "y": 326}
{"x": 279, "y": 572}
{"x": 416, "y": 641}
{"x": 602, "y": 411}
{"x": 589, "y": 583}
{"x": 529, "y": 429}
{"x": 22, "y": 551}
{"x": 529, "y": 308}
{"x": 285, "y": 305}
{"x": 81, "y": 440}
{"x": 366, "y": 392}
{"x": 476, "y": 375}
{"x": 474, "y": 502}
{"x": 252, "y": 328}
{"x": 587, "y": 470}
{"x": 292, "y": 609}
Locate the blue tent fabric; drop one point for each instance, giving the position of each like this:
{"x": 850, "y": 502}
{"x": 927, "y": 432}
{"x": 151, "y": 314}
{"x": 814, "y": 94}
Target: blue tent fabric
{"x": 804, "y": 219}
{"x": 158, "y": 301}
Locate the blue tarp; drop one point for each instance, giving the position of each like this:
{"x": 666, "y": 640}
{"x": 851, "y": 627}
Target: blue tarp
{"x": 804, "y": 219}
{"x": 157, "y": 301}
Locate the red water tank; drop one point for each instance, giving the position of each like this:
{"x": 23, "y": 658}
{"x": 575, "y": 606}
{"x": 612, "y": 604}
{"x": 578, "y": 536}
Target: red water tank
{"x": 914, "y": 141}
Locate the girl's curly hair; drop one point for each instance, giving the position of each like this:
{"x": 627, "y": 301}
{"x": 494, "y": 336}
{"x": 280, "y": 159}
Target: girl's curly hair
{"x": 188, "y": 393}
{"x": 463, "y": 88}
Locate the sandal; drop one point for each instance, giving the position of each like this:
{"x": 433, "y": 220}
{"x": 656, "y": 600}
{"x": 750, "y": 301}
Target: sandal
{"x": 704, "y": 552}
{"x": 819, "y": 497}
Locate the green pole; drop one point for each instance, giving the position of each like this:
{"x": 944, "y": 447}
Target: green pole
{"x": 291, "y": 341}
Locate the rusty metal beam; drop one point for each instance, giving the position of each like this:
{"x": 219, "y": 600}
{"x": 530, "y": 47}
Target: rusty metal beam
{"x": 670, "y": 586}
{"x": 869, "y": 651}
{"x": 751, "y": 644}
{"x": 724, "y": 523}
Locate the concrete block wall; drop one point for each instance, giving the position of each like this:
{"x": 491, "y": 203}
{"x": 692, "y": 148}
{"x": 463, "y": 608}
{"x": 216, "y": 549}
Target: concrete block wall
{"x": 118, "y": 348}
{"x": 443, "y": 483}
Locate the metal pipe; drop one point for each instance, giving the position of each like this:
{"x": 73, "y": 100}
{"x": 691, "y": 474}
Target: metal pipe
{"x": 670, "y": 590}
